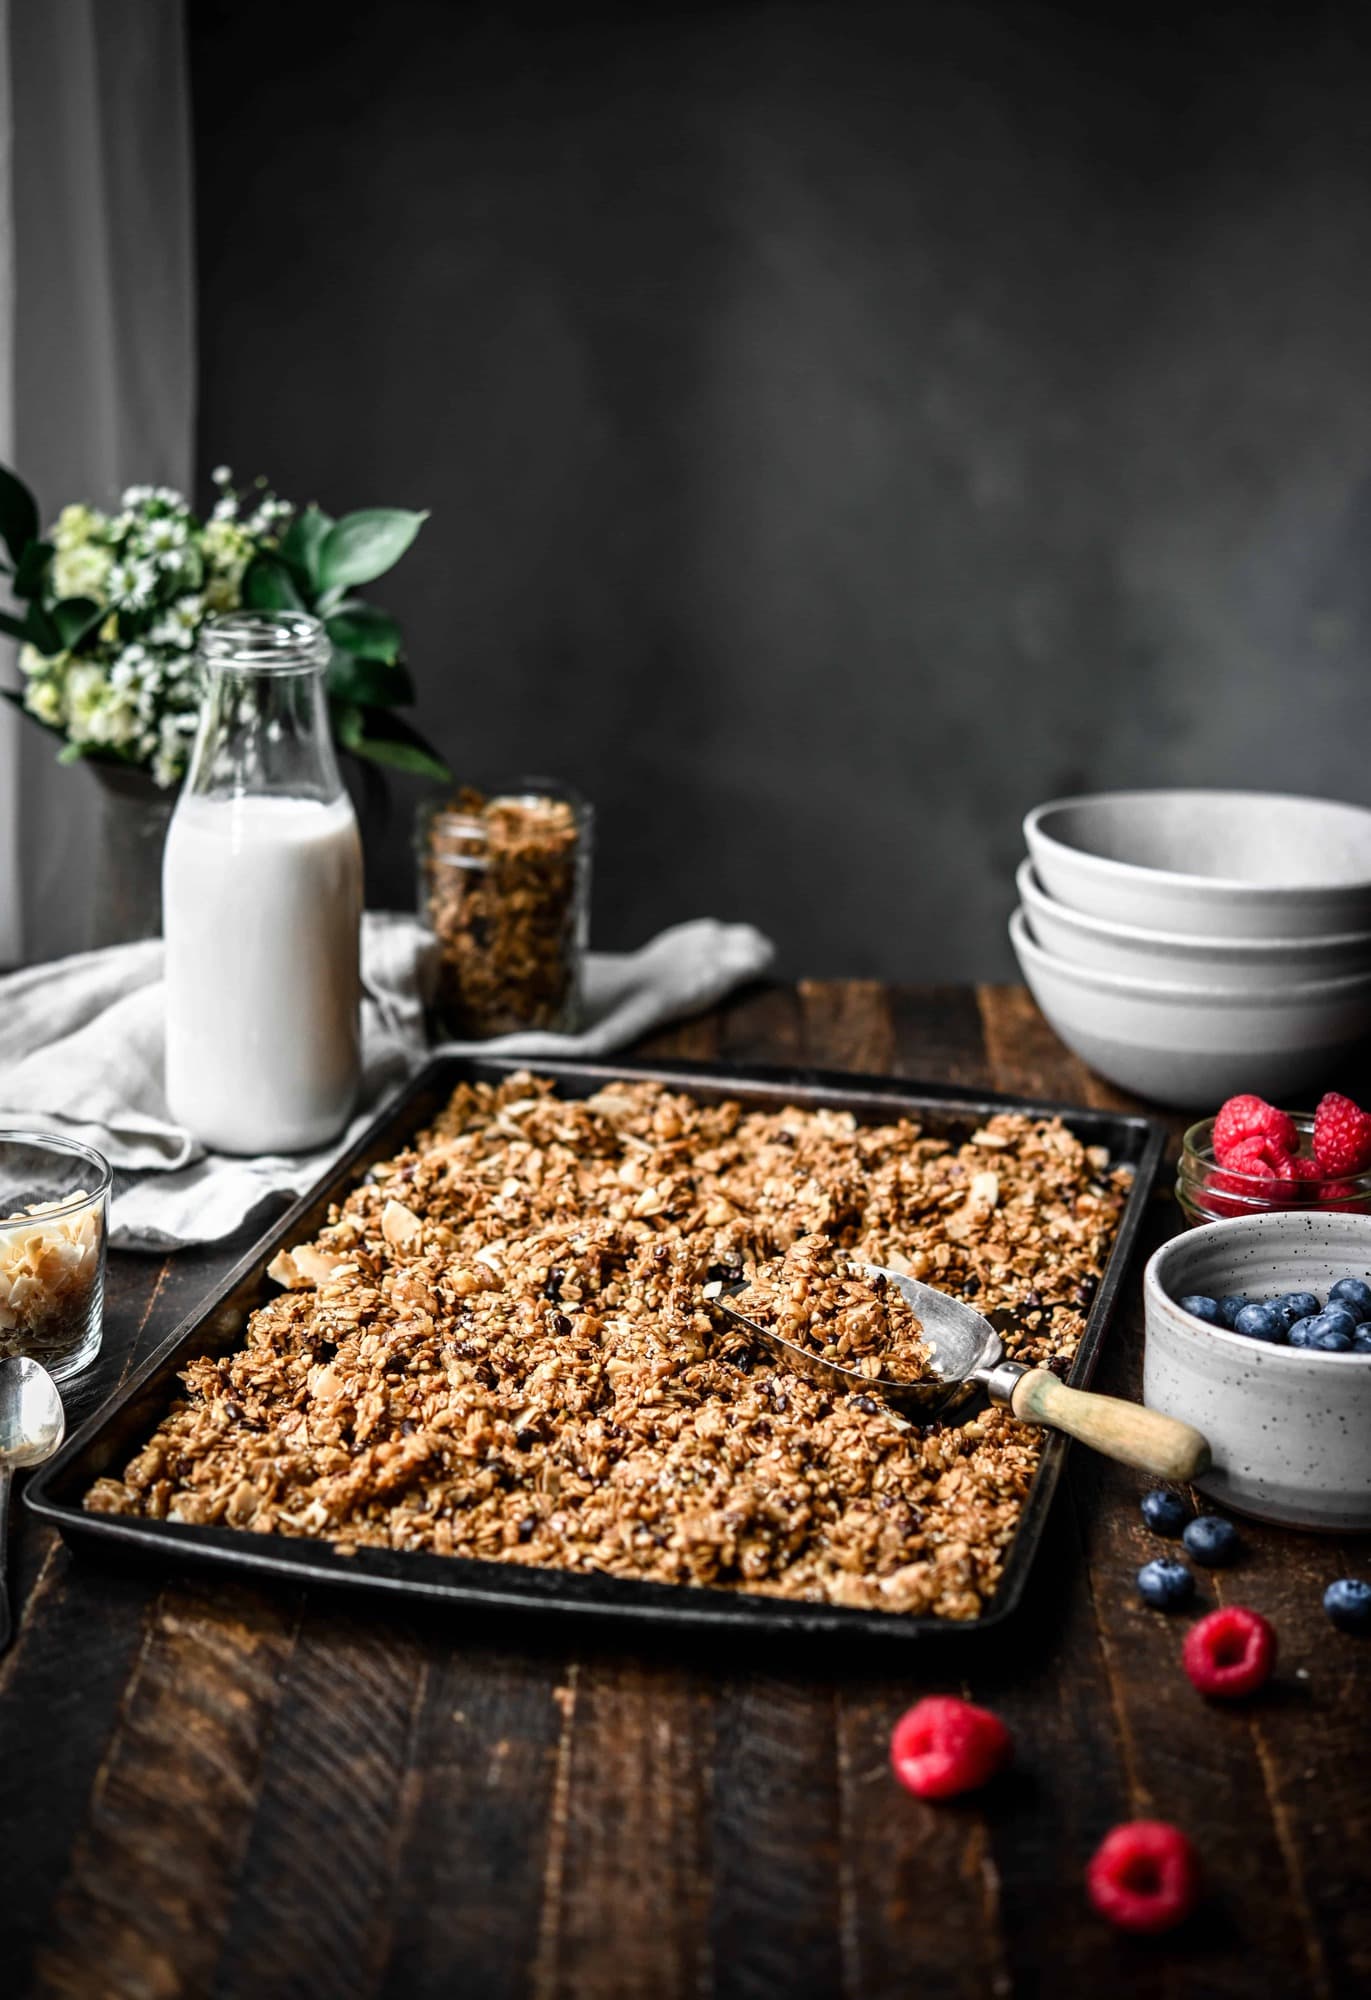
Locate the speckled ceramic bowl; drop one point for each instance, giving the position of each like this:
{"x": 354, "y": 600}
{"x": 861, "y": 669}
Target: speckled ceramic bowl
{"x": 1290, "y": 1430}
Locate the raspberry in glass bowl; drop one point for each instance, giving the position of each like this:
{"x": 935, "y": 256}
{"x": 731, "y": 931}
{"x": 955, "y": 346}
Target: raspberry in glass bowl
{"x": 1255, "y": 1179}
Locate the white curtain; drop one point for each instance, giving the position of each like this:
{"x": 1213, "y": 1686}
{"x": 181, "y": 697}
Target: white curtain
{"x": 97, "y": 350}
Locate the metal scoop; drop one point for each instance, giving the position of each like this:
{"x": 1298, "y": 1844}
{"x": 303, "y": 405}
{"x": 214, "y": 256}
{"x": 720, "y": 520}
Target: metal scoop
{"x": 967, "y": 1353}
{"x": 32, "y": 1426}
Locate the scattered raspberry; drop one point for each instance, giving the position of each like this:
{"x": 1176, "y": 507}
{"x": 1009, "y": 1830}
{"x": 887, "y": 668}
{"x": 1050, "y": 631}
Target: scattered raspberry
{"x": 1144, "y": 1876}
{"x": 1230, "y": 1652}
{"x": 1342, "y": 1136}
{"x": 1252, "y": 1118}
{"x": 942, "y": 1746}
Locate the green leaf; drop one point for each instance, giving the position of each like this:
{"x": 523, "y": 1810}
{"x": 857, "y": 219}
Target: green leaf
{"x": 71, "y": 753}
{"x": 385, "y": 739}
{"x": 41, "y": 631}
{"x": 32, "y": 568}
{"x": 371, "y": 634}
{"x": 16, "y": 627}
{"x": 76, "y": 618}
{"x": 363, "y": 546}
{"x": 354, "y": 679}
{"x": 302, "y": 541}
{"x": 18, "y": 513}
{"x": 269, "y": 586}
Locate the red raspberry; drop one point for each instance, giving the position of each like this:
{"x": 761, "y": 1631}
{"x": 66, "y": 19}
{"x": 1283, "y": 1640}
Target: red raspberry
{"x": 1252, "y": 1118}
{"x": 1348, "y": 1197}
{"x": 1342, "y": 1136}
{"x": 1261, "y": 1171}
{"x": 1144, "y": 1876}
{"x": 1230, "y": 1652}
{"x": 942, "y": 1746}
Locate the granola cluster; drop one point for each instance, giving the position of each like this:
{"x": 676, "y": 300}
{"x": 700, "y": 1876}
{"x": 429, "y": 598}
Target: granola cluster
{"x": 500, "y": 885}
{"x": 497, "y": 1348}
{"x": 816, "y": 1297}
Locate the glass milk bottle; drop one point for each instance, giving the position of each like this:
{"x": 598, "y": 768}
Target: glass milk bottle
{"x": 262, "y": 900}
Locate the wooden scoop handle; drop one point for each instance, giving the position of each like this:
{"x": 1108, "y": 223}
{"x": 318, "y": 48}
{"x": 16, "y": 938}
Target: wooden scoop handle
{"x": 1163, "y": 1446}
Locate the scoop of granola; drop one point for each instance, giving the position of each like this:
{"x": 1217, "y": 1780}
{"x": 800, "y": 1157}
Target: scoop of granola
{"x": 816, "y": 1297}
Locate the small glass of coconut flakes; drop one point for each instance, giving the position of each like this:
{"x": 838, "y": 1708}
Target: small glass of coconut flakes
{"x": 54, "y": 1200}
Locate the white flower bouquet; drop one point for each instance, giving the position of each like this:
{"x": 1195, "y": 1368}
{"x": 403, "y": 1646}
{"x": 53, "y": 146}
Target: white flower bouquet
{"x": 113, "y": 604}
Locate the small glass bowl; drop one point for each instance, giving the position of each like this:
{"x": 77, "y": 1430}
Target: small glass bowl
{"x": 1208, "y": 1192}
{"x": 54, "y": 1205}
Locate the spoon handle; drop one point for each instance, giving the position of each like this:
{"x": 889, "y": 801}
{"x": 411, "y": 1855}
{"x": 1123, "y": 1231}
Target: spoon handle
{"x": 1163, "y": 1446}
{"x": 6, "y": 1624}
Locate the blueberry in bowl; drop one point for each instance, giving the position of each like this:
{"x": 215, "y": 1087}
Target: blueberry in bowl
{"x": 1286, "y": 1408}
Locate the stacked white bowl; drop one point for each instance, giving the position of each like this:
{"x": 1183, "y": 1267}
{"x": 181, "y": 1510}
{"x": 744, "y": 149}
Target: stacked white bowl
{"x": 1190, "y": 944}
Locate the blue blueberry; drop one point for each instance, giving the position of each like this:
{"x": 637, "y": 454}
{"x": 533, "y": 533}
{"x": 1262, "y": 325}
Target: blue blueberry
{"x": 1165, "y": 1583}
{"x": 1200, "y": 1307}
{"x": 1338, "y": 1314}
{"x": 1230, "y": 1306}
{"x": 1361, "y": 1340}
{"x": 1347, "y": 1602}
{"x": 1328, "y": 1332}
{"x": 1211, "y": 1540}
{"x": 1165, "y": 1513}
{"x": 1355, "y": 1294}
{"x": 1297, "y": 1305}
{"x": 1260, "y": 1323}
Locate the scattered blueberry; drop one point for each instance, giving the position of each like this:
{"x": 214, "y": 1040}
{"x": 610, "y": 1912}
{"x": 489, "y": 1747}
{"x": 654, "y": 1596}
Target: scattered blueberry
{"x": 1200, "y": 1307}
{"x": 1347, "y": 1602}
{"x": 1165, "y": 1583}
{"x": 1165, "y": 1513}
{"x": 1361, "y": 1340}
{"x": 1355, "y": 1294}
{"x": 1211, "y": 1540}
{"x": 1260, "y": 1323}
{"x": 1231, "y": 1306}
{"x": 1297, "y": 1305}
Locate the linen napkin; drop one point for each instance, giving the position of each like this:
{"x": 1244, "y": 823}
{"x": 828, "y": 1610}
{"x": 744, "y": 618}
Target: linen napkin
{"x": 81, "y": 1052}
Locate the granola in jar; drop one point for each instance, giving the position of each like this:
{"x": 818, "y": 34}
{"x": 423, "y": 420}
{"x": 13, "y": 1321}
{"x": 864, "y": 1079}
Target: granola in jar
{"x": 504, "y": 886}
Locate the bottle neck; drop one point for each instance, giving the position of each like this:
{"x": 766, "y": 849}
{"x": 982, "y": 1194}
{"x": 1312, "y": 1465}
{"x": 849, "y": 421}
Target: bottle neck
{"x": 264, "y": 731}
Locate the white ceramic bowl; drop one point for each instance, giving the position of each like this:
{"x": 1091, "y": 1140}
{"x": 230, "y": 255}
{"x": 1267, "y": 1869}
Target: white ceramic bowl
{"x": 1290, "y": 1430}
{"x": 1196, "y": 1045}
{"x": 1259, "y": 964}
{"x": 1209, "y": 864}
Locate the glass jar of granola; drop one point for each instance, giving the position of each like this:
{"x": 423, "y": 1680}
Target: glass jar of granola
{"x": 504, "y": 886}
{"x": 54, "y": 1194}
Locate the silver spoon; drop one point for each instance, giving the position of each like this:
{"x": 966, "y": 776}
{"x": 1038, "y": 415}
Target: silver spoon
{"x": 32, "y": 1425}
{"x": 966, "y": 1352}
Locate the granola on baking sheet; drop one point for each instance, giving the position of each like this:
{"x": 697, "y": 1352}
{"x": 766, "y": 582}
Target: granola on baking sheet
{"x": 816, "y": 1297}
{"x": 498, "y": 1348}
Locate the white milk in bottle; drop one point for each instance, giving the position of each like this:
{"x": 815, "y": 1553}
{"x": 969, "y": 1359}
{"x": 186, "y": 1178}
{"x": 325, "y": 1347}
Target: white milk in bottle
{"x": 262, "y": 901}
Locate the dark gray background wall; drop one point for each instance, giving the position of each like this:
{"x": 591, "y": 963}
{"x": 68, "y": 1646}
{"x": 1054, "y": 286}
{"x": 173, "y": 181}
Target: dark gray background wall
{"x": 844, "y": 425}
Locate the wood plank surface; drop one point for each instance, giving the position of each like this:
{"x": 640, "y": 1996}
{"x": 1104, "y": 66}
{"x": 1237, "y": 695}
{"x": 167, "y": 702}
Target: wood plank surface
{"x": 207, "y": 1789}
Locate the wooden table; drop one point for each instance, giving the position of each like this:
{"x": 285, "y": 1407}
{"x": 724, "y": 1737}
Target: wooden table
{"x": 207, "y": 1789}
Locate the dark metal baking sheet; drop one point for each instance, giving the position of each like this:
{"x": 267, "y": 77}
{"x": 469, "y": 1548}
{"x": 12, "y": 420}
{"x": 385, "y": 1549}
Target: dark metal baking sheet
{"x": 111, "y": 1437}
